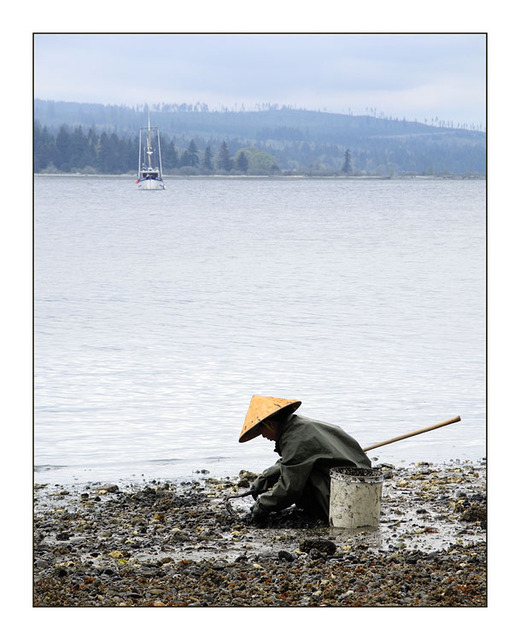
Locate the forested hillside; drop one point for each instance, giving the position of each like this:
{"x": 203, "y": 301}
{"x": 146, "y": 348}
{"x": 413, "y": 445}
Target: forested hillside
{"x": 93, "y": 138}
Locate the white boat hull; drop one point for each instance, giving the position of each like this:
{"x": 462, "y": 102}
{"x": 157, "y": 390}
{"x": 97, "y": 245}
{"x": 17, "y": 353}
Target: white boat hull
{"x": 150, "y": 185}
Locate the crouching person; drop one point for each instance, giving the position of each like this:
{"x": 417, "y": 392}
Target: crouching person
{"x": 308, "y": 449}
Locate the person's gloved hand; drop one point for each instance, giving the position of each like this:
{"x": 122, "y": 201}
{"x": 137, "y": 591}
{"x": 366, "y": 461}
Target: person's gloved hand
{"x": 259, "y": 514}
{"x": 258, "y": 487}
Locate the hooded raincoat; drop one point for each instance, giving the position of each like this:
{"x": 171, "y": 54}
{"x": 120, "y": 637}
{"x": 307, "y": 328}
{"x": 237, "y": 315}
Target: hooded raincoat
{"x": 308, "y": 449}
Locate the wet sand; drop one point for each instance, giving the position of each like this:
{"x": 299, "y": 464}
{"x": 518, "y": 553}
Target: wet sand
{"x": 179, "y": 544}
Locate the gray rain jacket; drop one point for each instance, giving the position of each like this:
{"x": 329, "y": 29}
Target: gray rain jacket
{"x": 308, "y": 449}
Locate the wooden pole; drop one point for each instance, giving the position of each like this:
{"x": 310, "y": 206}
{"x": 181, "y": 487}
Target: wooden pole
{"x": 412, "y": 433}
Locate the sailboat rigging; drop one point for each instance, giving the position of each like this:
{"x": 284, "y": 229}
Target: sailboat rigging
{"x": 149, "y": 172}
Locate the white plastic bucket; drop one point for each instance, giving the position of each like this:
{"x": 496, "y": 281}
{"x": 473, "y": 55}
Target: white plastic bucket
{"x": 355, "y": 497}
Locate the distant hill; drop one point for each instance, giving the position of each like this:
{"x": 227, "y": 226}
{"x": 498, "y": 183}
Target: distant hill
{"x": 298, "y": 140}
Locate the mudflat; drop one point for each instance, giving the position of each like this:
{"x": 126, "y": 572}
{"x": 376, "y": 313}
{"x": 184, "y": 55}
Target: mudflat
{"x": 180, "y": 543}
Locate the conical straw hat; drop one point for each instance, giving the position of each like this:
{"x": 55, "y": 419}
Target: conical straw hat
{"x": 261, "y": 408}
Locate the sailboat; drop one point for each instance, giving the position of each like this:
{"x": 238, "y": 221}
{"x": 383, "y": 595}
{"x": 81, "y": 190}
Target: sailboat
{"x": 149, "y": 172}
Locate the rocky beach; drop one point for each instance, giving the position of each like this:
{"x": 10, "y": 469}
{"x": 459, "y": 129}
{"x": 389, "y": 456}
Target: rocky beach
{"x": 183, "y": 544}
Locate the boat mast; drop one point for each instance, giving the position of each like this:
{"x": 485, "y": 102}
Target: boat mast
{"x": 159, "y": 149}
{"x": 139, "y": 161}
{"x": 149, "y": 149}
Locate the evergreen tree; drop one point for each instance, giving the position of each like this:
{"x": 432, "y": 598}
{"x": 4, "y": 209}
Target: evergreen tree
{"x": 190, "y": 157}
{"x": 103, "y": 153}
{"x": 347, "y": 164}
{"x": 241, "y": 162}
{"x": 170, "y": 157}
{"x": 224, "y": 160}
{"x": 207, "y": 163}
{"x": 184, "y": 160}
{"x": 91, "y": 150}
{"x": 194, "y": 154}
{"x": 44, "y": 148}
{"x": 129, "y": 148}
{"x": 78, "y": 149}
{"x": 115, "y": 156}
{"x": 63, "y": 149}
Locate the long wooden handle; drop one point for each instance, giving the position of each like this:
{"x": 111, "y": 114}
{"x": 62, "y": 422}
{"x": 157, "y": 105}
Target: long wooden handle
{"x": 413, "y": 433}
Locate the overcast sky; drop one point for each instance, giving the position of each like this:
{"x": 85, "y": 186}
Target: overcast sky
{"x": 412, "y": 76}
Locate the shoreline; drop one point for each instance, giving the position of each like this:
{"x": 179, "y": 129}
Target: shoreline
{"x": 216, "y": 176}
{"x": 163, "y": 543}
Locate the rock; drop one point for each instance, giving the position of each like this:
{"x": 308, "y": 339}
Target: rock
{"x": 475, "y": 513}
{"x": 241, "y": 558}
{"x": 321, "y": 544}
{"x": 63, "y": 535}
{"x": 109, "y": 488}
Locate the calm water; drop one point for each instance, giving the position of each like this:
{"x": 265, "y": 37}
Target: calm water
{"x": 159, "y": 314}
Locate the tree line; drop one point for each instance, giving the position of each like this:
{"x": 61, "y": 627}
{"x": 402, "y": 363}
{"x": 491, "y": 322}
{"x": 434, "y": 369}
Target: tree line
{"x": 297, "y": 141}
{"x": 75, "y": 150}
{"x": 95, "y": 139}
